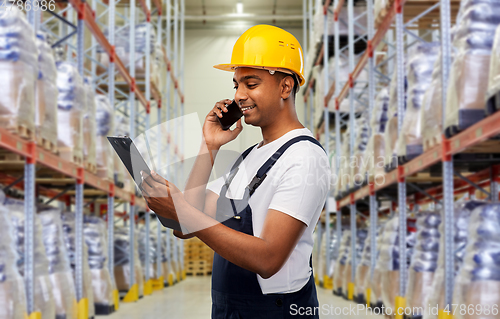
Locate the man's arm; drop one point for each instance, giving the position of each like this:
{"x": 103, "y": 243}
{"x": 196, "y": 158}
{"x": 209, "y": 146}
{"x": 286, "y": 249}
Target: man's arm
{"x": 195, "y": 190}
{"x": 264, "y": 255}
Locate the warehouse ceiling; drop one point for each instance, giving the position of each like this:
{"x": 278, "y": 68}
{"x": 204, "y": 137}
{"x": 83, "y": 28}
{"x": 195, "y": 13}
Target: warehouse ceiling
{"x": 224, "y": 14}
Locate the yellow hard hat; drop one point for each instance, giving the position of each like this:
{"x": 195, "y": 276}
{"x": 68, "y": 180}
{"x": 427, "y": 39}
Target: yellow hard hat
{"x": 269, "y": 48}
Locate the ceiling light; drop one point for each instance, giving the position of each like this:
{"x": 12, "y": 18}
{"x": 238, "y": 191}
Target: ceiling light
{"x": 239, "y": 7}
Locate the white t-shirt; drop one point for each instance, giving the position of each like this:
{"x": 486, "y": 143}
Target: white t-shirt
{"x": 296, "y": 185}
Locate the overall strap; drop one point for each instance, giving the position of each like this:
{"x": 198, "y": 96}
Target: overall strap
{"x": 234, "y": 169}
{"x": 262, "y": 172}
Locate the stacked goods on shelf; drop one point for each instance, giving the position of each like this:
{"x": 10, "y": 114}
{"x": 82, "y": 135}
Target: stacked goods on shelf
{"x": 168, "y": 270}
{"x": 340, "y": 265}
{"x": 492, "y": 94}
{"x": 320, "y": 269}
{"x": 46, "y": 92}
{"x": 468, "y": 82}
{"x": 122, "y": 49}
{"x": 334, "y": 251}
{"x": 389, "y": 261}
{"x": 152, "y": 252}
{"x": 343, "y": 181}
{"x": 319, "y": 21}
{"x": 375, "y": 282}
{"x": 343, "y": 78}
{"x": 198, "y": 257}
{"x": 12, "y": 290}
{"x": 361, "y": 235}
{"x": 94, "y": 231}
{"x": 43, "y": 290}
{"x": 478, "y": 280}
{"x": 419, "y": 74}
{"x": 122, "y": 262}
{"x": 121, "y": 128}
{"x": 60, "y": 273}
{"x": 424, "y": 262}
{"x": 431, "y": 111}
{"x": 319, "y": 253}
{"x": 462, "y": 214}
{"x": 158, "y": 67}
{"x": 89, "y": 127}
{"x": 375, "y": 150}
{"x": 104, "y": 119}
{"x": 360, "y": 161}
{"x": 363, "y": 271}
{"x": 71, "y": 103}
{"x": 391, "y": 127}
{"x": 68, "y": 222}
{"x": 19, "y": 70}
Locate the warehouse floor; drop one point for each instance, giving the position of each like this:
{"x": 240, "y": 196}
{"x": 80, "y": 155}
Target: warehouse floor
{"x": 190, "y": 299}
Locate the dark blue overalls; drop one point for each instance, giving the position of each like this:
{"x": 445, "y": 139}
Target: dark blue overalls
{"x": 236, "y": 293}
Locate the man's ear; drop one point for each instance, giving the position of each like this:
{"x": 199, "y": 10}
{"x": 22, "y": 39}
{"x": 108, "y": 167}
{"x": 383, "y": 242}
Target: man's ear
{"x": 286, "y": 87}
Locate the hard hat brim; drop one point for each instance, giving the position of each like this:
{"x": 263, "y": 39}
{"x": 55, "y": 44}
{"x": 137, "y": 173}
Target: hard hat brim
{"x": 232, "y": 67}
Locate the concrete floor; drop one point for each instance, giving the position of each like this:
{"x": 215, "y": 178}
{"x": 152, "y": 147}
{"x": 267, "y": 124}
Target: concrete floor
{"x": 190, "y": 299}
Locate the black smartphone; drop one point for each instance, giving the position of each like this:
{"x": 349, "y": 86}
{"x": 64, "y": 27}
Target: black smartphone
{"x": 232, "y": 116}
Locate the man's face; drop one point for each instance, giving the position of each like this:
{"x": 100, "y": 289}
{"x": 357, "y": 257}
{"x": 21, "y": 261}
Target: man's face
{"x": 258, "y": 95}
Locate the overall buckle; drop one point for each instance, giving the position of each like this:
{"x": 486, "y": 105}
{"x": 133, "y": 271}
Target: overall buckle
{"x": 256, "y": 181}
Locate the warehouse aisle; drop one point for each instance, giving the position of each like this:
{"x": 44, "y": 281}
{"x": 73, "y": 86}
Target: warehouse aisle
{"x": 190, "y": 299}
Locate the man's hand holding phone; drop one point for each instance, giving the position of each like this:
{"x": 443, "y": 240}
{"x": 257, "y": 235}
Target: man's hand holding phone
{"x": 213, "y": 132}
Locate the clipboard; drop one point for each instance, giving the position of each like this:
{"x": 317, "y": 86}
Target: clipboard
{"x": 135, "y": 163}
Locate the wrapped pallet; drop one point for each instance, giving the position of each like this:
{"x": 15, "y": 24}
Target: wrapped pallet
{"x": 61, "y": 277}
{"x": 122, "y": 49}
{"x": 469, "y": 73}
{"x": 46, "y": 93}
{"x": 431, "y": 124}
{"x": 419, "y": 74}
{"x": 94, "y": 231}
{"x": 363, "y": 272}
{"x": 391, "y": 127}
{"x": 104, "y": 119}
{"x": 19, "y": 70}
{"x": 123, "y": 277}
{"x": 341, "y": 264}
{"x": 389, "y": 262}
{"x": 375, "y": 282}
{"x": 43, "y": 290}
{"x": 319, "y": 21}
{"x": 361, "y": 235}
{"x": 424, "y": 262}
{"x": 478, "y": 280}
{"x": 89, "y": 127}
{"x": 68, "y": 221}
{"x": 167, "y": 263}
{"x": 375, "y": 150}
{"x": 152, "y": 252}
{"x": 71, "y": 102}
{"x": 360, "y": 160}
{"x": 12, "y": 292}
{"x": 492, "y": 94}
{"x": 343, "y": 179}
{"x": 343, "y": 78}
{"x": 462, "y": 213}
{"x": 158, "y": 69}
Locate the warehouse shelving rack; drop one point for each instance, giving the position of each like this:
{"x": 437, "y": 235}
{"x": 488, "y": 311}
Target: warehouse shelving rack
{"x": 56, "y": 170}
{"x": 440, "y": 157}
